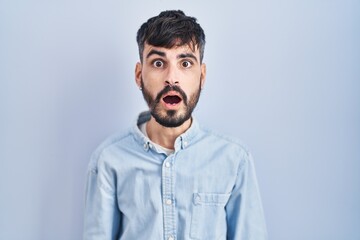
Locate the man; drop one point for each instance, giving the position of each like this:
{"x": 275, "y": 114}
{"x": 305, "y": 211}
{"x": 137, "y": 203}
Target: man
{"x": 167, "y": 177}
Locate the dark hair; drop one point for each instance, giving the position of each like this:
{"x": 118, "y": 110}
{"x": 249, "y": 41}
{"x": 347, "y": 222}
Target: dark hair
{"x": 171, "y": 28}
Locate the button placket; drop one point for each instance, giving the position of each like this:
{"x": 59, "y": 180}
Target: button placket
{"x": 168, "y": 198}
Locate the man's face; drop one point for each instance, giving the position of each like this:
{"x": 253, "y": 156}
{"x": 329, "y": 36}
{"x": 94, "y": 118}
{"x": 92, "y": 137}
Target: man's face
{"x": 171, "y": 81}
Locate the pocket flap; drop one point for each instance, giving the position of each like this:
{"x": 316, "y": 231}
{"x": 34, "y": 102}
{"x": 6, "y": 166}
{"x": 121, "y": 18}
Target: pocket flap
{"x": 211, "y": 198}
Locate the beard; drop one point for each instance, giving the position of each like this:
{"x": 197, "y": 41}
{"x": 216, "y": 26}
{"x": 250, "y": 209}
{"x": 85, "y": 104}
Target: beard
{"x": 171, "y": 118}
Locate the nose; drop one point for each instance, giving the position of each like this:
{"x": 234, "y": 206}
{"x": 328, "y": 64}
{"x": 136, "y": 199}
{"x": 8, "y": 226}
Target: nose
{"x": 170, "y": 83}
{"x": 171, "y": 77}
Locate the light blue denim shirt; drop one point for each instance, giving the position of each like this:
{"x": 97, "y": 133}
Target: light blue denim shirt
{"x": 206, "y": 189}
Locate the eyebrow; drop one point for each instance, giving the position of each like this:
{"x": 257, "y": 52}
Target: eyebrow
{"x": 163, "y": 54}
{"x": 155, "y": 52}
{"x": 187, "y": 55}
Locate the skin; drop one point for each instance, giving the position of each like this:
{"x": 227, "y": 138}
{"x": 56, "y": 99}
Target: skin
{"x": 160, "y": 67}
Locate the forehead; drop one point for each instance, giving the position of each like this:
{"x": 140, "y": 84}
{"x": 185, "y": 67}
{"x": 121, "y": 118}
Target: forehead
{"x": 172, "y": 52}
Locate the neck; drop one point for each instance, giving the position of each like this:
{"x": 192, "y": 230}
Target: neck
{"x": 165, "y": 136}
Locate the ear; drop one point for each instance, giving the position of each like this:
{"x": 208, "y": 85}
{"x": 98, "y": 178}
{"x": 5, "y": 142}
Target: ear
{"x": 203, "y": 75}
{"x": 138, "y": 71}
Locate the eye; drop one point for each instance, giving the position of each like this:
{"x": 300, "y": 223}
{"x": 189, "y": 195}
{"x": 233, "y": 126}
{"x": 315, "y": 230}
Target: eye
{"x": 158, "y": 64}
{"x": 186, "y": 64}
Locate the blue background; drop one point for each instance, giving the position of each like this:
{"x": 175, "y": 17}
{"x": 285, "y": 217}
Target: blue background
{"x": 283, "y": 76}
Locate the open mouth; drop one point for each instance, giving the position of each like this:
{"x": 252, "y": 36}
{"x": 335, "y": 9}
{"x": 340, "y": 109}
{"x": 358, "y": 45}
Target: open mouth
{"x": 172, "y": 99}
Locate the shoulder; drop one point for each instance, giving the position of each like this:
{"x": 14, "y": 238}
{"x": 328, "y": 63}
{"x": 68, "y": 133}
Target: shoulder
{"x": 110, "y": 143}
{"x": 227, "y": 144}
{"x": 224, "y": 138}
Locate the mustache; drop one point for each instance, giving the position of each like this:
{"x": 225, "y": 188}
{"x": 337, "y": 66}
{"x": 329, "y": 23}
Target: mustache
{"x": 170, "y": 88}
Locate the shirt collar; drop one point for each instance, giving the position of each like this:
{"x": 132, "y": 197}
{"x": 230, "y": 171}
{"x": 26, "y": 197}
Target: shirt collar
{"x": 183, "y": 141}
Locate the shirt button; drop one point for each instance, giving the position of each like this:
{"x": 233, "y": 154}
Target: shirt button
{"x": 197, "y": 199}
{"x": 168, "y": 202}
{"x": 171, "y": 238}
{"x": 167, "y": 164}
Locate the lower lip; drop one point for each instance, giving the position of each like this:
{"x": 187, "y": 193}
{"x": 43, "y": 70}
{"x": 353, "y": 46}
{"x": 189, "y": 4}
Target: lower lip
{"x": 172, "y": 106}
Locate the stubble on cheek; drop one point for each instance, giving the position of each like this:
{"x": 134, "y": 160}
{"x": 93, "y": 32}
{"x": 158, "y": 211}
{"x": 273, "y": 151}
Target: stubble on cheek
{"x": 146, "y": 94}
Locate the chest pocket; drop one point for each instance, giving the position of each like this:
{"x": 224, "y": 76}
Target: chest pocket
{"x": 208, "y": 219}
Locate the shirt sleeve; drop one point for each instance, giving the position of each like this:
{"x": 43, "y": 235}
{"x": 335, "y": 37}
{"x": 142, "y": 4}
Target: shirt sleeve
{"x": 245, "y": 217}
{"x": 102, "y": 216}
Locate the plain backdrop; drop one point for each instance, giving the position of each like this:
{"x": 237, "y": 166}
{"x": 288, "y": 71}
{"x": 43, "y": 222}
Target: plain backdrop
{"x": 283, "y": 76}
